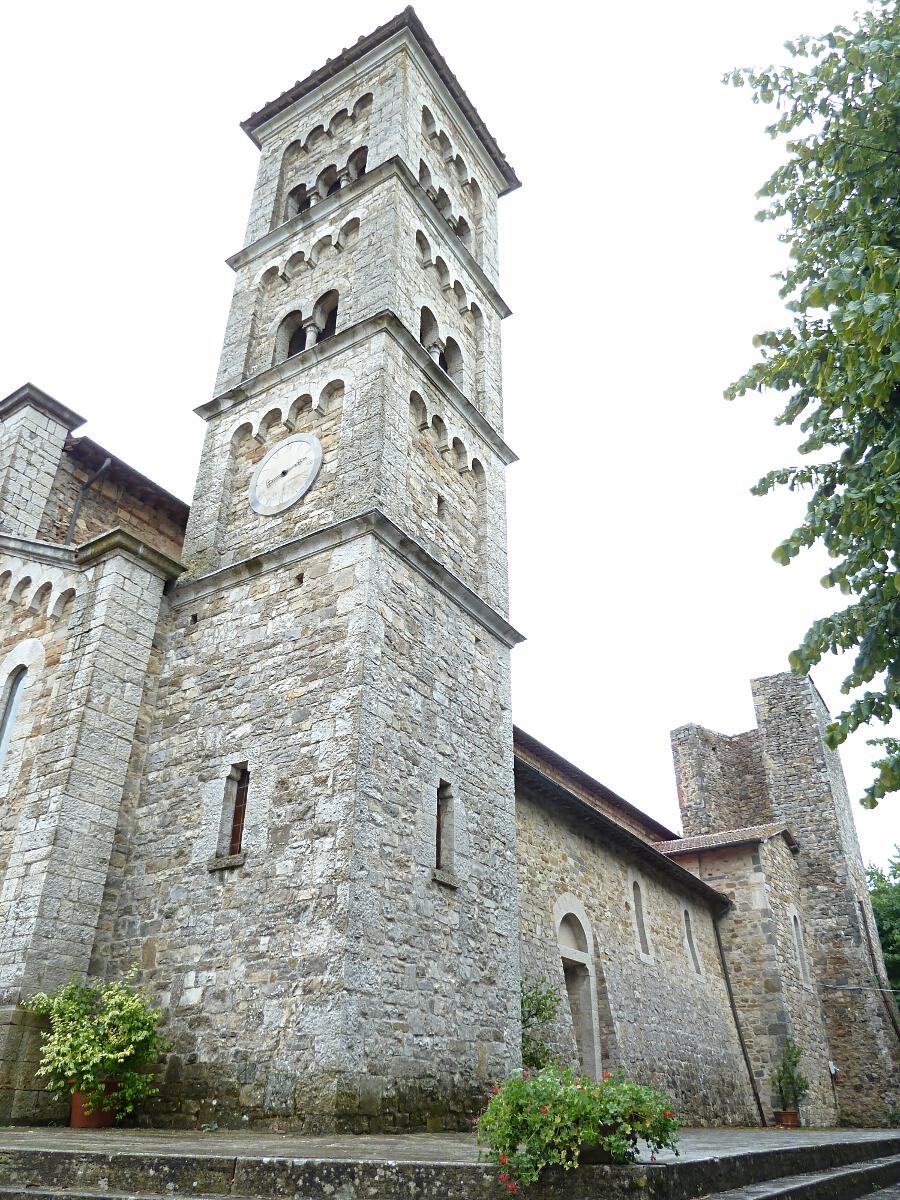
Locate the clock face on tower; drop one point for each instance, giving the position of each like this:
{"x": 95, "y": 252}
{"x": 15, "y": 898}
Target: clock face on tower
{"x": 286, "y": 474}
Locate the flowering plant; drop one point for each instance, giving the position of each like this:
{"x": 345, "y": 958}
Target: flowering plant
{"x": 102, "y": 1033}
{"x": 536, "y": 1121}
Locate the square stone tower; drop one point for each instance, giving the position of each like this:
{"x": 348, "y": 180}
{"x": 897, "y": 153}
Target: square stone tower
{"x": 318, "y": 872}
{"x": 802, "y": 921}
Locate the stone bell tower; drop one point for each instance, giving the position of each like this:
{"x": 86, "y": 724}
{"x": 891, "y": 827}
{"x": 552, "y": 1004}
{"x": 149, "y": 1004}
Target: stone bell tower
{"x": 321, "y": 877}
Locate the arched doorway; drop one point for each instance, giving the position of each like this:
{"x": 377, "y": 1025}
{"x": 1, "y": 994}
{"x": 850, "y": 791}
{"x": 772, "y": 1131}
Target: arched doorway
{"x": 574, "y": 940}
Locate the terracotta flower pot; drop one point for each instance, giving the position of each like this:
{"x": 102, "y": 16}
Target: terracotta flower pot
{"x": 788, "y": 1117}
{"x": 99, "y": 1118}
{"x": 590, "y": 1155}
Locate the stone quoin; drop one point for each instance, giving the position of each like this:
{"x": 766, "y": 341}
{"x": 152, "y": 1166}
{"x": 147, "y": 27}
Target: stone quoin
{"x": 264, "y": 747}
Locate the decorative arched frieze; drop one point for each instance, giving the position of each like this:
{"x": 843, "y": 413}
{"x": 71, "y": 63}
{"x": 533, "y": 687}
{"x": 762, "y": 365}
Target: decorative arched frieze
{"x": 37, "y": 586}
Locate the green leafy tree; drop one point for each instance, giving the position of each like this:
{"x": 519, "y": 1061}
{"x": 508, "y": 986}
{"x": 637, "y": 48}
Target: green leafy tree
{"x": 539, "y": 1005}
{"x": 838, "y": 109}
{"x": 884, "y": 892}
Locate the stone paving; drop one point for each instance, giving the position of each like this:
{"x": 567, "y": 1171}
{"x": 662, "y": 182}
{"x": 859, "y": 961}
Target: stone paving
{"x": 696, "y": 1145}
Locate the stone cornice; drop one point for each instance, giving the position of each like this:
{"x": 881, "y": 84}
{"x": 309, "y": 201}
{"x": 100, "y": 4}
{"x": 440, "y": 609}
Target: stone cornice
{"x": 391, "y": 168}
{"x": 119, "y": 541}
{"x": 387, "y": 322}
{"x": 29, "y": 396}
{"x": 49, "y": 553}
{"x": 373, "y": 523}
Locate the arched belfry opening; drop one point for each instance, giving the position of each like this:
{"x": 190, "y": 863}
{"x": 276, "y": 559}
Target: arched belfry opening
{"x": 575, "y": 942}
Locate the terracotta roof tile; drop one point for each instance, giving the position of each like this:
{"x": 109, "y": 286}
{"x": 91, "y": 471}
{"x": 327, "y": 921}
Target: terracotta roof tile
{"x": 728, "y": 837}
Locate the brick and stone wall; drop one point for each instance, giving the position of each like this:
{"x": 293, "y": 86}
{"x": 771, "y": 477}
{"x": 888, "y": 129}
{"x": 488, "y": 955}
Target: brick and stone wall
{"x": 802, "y": 785}
{"x": 113, "y": 501}
{"x": 773, "y": 987}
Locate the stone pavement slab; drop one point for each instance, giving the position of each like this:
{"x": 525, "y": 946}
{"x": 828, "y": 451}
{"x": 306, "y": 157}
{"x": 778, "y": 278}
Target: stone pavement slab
{"x": 696, "y": 1145}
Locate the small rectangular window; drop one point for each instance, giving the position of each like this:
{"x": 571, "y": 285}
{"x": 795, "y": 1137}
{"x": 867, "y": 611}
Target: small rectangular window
{"x": 234, "y": 811}
{"x": 443, "y": 828}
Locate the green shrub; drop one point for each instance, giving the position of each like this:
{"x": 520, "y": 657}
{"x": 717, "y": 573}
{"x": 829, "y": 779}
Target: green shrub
{"x": 787, "y": 1079}
{"x": 99, "y": 1032}
{"x": 539, "y": 1005}
{"x": 541, "y": 1120}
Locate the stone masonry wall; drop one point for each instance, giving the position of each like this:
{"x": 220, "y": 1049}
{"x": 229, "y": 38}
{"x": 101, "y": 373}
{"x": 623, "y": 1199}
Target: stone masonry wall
{"x": 110, "y": 503}
{"x": 31, "y": 442}
{"x": 653, "y": 1001}
{"x": 248, "y": 959}
{"x": 774, "y": 995}
{"x": 721, "y": 780}
{"x": 808, "y": 793}
{"x": 432, "y": 955}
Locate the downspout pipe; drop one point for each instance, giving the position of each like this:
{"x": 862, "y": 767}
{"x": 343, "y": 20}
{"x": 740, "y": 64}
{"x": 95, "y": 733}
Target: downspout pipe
{"x": 79, "y": 499}
{"x": 726, "y": 975}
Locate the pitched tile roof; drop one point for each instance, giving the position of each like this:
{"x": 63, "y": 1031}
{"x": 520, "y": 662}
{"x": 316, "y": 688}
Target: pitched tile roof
{"x": 728, "y": 837}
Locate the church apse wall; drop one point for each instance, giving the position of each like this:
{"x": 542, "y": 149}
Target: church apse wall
{"x": 650, "y": 978}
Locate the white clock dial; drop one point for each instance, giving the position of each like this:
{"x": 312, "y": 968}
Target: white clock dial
{"x": 286, "y": 473}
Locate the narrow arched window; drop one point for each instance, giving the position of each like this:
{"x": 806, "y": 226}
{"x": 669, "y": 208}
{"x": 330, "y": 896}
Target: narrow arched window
{"x": 290, "y": 338}
{"x": 801, "y": 949}
{"x": 357, "y": 162}
{"x": 298, "y": 201}
{"x": 14, "y": 687}
{"x": 452, "y": 360}
{"x": 639, "y": 917}
{"x": 689, "y": 936}
{"x": 326, "y": 312}
{"x": 297, "y": 342}
{"x": 443, "y": 828}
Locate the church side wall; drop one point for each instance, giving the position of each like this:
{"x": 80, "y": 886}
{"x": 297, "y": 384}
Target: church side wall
{"x": 245, "y": 957}
{"x": 654, "y": 1001}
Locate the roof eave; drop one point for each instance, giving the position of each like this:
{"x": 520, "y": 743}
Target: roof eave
{"x": 404, "y": 20}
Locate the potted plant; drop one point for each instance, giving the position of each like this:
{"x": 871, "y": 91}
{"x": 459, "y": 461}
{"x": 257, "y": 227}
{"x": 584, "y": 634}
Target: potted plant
{"x": 790, "y": 1084}
{"x": 102, "y": 1039}
{"x": 555, "y": 1117}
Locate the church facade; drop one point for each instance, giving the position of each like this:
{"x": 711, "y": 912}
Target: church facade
{"x": 264, "y": 748}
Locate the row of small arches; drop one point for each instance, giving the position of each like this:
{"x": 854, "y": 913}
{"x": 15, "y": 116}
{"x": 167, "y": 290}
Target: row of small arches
{"x": 447, "y": 284}
{"x": 449, "y": 444}
{"x": 38, "y": 594}
{"x": 455, "y": 162}
{"x": 259, "y": 426}
{"x": 299, "y": 260}
{"x": 458, "y": 224}
{"x": 344, "y": 116}
{"x": 303, "y": 196}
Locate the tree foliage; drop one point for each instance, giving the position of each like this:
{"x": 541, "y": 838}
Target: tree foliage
{"x": 539, "y": 1005}
{"x": 884, "y": 892}
{"x": 838, "y": 190}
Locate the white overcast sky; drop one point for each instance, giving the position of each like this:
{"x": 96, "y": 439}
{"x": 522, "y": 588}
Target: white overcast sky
{"x": 640, "y": 565}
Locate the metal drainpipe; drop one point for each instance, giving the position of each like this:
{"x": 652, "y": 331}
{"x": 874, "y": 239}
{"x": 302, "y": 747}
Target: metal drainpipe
{"x": 734, "y": 1014}
{"x": 82, "y": 492}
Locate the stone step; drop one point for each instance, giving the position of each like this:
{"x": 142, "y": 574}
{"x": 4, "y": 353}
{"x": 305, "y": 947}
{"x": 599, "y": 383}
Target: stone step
{"x": 841, "y": 1183}
{"x": 755, "y": 1166}
{"x": 845, "y": 1183}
